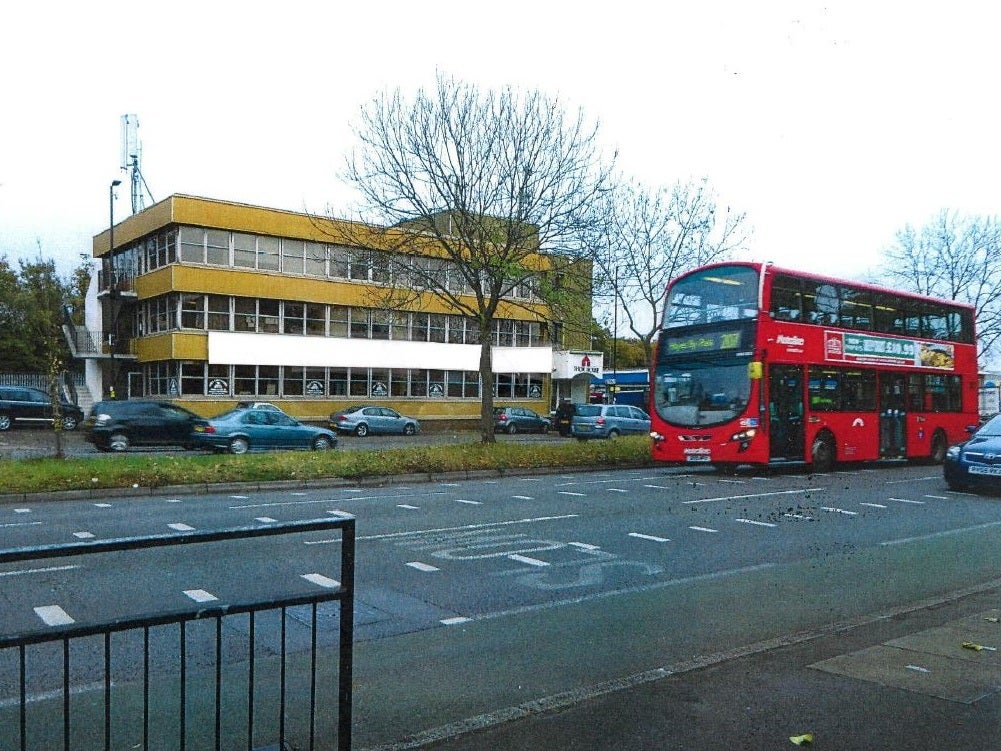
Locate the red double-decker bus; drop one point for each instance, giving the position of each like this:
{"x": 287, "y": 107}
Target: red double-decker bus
{"x": 757, "y": 364}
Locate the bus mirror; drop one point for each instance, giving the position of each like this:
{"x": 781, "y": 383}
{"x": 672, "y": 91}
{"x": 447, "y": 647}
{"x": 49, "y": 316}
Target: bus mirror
{"x": 755, "y": 370}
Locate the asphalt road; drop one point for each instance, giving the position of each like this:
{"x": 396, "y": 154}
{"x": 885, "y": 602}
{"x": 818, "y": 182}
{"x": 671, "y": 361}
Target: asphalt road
{"x": 482, "y": 595}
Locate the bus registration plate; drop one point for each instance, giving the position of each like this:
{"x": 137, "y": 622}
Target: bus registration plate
{"x": 698, "y": 458}
{"x": 985, "y": 470}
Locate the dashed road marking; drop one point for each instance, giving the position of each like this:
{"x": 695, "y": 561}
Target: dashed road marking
{"x": 468, "y": 502}
{"x": 22, "y": 511}
{"x": 84, "y": 535}
{"x": 570, "y": 492}
{"x": 651, "y": 538}
{"x": 527, "y": 561}
{"x": 872, "y": 505}
{"x": 908, "y": 500}
{"x": 181, "y": 527}
{"x": 523, "y": 497}
{"x": 836, "y": 510}
{"x": 200, "y": 595}
{"x": 454, "y": 621}
{"x": 704, "y": 529}
{"x": 322, "y": 581}
{"x": 756, "y": 523}
{"x": 103, "y": 505}
{"x": 425, "y": 567}
{"x": 53, "y": 615}
{"x": 265, "y": 520}
{"x": 754, "y": 495}
{"x": 407, "y": 506}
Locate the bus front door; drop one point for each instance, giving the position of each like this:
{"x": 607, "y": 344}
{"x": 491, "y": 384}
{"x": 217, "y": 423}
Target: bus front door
{"x": 892, "y": 416}
{"x": 785, "y": 413}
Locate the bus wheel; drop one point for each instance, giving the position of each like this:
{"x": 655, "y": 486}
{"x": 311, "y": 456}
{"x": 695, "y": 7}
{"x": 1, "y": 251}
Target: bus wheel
{"x": 939, "y": 445}
{"x": 822, "y": 453}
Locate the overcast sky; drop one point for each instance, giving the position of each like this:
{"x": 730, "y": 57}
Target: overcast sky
{"x": 832, "y": 125}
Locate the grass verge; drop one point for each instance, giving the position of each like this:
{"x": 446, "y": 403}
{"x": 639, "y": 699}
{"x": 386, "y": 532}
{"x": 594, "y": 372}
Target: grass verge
{"x": 48, "y": 475}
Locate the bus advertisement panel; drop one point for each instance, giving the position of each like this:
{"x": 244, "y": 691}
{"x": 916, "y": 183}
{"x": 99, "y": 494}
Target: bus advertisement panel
{"x": 758, "y": 365}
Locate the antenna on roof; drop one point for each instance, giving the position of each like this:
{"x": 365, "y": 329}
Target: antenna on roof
{"x": 131, "y": 162}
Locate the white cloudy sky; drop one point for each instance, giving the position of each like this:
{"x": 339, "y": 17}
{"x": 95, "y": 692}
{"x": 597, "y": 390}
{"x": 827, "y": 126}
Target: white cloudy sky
{"x": 830, "y": 124}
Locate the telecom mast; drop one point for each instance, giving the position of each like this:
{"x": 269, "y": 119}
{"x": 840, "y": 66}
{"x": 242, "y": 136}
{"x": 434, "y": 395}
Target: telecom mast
{"x": 131, "y": 162}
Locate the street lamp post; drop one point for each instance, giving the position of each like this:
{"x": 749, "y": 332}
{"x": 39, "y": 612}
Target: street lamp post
{"x": 113, "y": 292}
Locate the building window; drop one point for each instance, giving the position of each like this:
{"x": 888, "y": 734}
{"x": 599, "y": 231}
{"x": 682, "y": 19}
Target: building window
{"x": 340, "y": 262}
{"x": 245, "y": 314}
{"x": 192, "y": 311}
{"x": 315, "y": 259}
{"x": 340, "y": 316}
{"x": 217, "y": 247}
{"x": 292, "y": 256}
{"x": 191, "y": 245}
{"x": 193, "y": 378}
{"x": 268, "y": 321}
{"x": 316, "y": 319}
{"x": 294, "y": 380}
{"x": 359, "y": 323}
{"x": 338, "y": 382}
{"x": 218, "y": 319}
{"x": 295, "y": 317}
{"x": 244, "y": 250}
{"x": 268, "y": 253}
{"x": 267, "y": 380}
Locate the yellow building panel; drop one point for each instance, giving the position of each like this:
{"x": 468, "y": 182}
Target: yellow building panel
{"x": 175, "y": 346}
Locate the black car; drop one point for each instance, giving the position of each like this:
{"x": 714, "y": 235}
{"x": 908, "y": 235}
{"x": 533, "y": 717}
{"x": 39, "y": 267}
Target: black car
{"x": 27, "y": 405}
{"x": 117, "y": 425}
{"x": 976, "y": 463}
{"x": 520, "y": 420}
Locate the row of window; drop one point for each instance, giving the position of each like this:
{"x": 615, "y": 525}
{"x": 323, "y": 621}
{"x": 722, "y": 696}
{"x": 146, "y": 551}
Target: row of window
{"x": 184, "y": 310}
{"x": 213, "y": 247}
{"x": 855, "y": 390}
{"x": 197, "y": 378}
{"x": 845, "y": 306}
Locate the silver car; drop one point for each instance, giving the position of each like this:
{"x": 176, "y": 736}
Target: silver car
{"x": 608, "y": 421}
{"x": 363, "y": 419}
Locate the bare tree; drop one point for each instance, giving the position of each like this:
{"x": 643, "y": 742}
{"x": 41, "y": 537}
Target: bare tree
{"x": 484, "y": 193}
{"x": 651, "y": 235}
{"x": 955, "y": 257}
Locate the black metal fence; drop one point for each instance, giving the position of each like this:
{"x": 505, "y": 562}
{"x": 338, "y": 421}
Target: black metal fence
{"x": 173, "y": 680}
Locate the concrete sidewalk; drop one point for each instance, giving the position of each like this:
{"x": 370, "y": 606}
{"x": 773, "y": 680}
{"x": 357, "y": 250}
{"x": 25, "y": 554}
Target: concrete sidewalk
{"x": 903, "y": 681}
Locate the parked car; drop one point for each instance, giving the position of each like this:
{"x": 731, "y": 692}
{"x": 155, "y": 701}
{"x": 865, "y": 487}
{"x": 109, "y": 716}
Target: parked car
{"x": 260, "y": 405}
{"x": 976, "y": 463}
{"x": 27, "y": 405}
{"x": 520, "y": 420}
{"x": 608, "y": 421}
{"x": 248, "y": 428}
{"x": 117, "y": 425}
{"x": 362, "y": 419}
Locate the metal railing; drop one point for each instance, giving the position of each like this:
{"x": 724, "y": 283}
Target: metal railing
{"x": 179, "y": 703}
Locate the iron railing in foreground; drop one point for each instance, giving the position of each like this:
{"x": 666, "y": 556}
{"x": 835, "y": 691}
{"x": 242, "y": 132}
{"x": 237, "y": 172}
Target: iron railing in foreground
{"x": 207, "y": 715}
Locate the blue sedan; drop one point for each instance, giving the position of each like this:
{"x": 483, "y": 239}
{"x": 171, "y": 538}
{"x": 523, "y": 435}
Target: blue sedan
{"x": 244, "y": 429}
{"x": 976, "y": 463}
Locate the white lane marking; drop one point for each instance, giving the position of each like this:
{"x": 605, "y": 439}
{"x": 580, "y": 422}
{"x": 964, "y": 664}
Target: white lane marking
{"x": 754, "y": 495}
{"x": 917, "y": 668}
{"x": 617, "y": 490}
{"x": 448, "y": 484}
{"x": 570, "y": 492}
{"x": 332, "y": 500}
{"x": 22, "y": 511}
{"x": 526, "y": 560}
{"x": 181, "y": 527}
{"x": 652, "y": 538}
{"x": 704, "y": 529}
{"x": 913, "y": 479}
{"x": 422, "y": 532}
{"x": 173, "y": 500}
{"x": 53, "y": 615}
{"x": 734, "y": 482}
{"x": 584, "y": 545}
{"x": 523, "y": 497}
{"x": 19, "y": 524}
{"x": 408, "y": 506}
{"x": 471, "y": 503}
{"x": 799, "y": 516}
{"x": 322, "y": 581}
{"x": 836, "y": 510}
{"x": 908, "y": 500}
{"x": 265, "y": 520}
{"x": 45, "y": 570}
{"x": 946, "y": 533}
{"x": 84, "y": 535}
{"x": 342, "y": 514}
{"x": 871, "y": 505}
{"x": 54, "y": 694}
{"x": 200, "y": 595}
{"x": 425, "y": 567}
{"x": 755, "y": 523}
{"x": 937, "y": 497}
{"x": 298, "y": 493}
{"x": 658, "y": 487}
{"x": 762, "y": 479}
{"x": 239, "y": 497}
{"x": 103, "y": 505}
{"x": 454, "y": 621}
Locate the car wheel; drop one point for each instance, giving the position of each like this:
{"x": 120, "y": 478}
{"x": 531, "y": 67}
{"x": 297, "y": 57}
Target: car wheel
{"x": 5, "y": 422}
{"x": 613, "y": 434}
{"x": 822, "y": 454}
{"x": 70, "y": 423}
{"x": 409, "y": 429}
{"x": 545, "y": 428}
{"x": 322, "y": 443}
{"x": 118, "y": 442}
{"x": 362, "y": 430}
{"x": 239, "y": 445}
{"x": 512, "y": 429}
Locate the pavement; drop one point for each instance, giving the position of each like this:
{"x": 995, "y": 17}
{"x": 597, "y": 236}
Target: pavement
{"x": 921, "y": 678}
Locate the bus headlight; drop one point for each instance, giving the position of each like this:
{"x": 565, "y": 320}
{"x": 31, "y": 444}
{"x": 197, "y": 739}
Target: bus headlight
{"x": 744, "y": 435}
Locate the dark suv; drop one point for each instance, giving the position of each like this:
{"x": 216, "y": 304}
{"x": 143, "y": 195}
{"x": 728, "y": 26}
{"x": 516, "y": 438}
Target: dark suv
{"x": 28, "y": 405}
{"x": 520, "y": 420}
{"x": 116, "y": 425}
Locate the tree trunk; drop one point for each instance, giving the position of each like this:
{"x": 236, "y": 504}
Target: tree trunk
{"x": 487, "y": 384}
